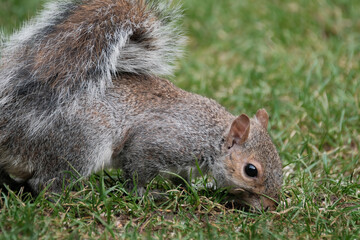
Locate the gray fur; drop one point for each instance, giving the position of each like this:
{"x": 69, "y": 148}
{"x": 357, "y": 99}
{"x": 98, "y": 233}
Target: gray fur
{"x": 101, "y": 105}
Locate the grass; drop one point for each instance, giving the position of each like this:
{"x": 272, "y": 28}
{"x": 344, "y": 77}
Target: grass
{"x": 300, "y": 60}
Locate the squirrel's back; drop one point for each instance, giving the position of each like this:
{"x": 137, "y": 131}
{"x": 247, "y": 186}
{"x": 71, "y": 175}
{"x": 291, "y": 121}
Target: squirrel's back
{"x": 78, "y": 45}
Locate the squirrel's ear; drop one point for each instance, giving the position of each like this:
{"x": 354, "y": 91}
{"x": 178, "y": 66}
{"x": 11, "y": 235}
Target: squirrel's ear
{"x": 239, "y": 131}
{"x": 263, "y": 117}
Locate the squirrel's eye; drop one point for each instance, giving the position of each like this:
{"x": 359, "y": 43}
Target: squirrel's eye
{"x": 251, "y": 170}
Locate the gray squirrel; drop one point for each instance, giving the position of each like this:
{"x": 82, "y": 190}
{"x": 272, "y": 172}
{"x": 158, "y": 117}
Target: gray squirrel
{"x": 80, "y": 91}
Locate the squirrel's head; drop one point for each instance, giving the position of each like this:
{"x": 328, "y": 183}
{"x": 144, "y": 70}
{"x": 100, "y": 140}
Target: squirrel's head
{"x": 251, "y": 163}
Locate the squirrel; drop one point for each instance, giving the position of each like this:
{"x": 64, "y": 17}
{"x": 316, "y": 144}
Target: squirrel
{"x": 82, "y": 90}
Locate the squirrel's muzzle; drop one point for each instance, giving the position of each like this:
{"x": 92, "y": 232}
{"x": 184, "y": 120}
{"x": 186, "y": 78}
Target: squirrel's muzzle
{"x": 267, "y": 204}
{"x": 254, "y": 202}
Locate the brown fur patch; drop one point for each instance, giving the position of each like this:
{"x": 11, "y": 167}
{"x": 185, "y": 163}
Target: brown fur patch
{"x": 149, "y": 89}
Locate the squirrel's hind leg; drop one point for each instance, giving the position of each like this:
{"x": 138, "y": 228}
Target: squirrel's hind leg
{"x": 67, "y": 155}
{"x": 62, "y": 171}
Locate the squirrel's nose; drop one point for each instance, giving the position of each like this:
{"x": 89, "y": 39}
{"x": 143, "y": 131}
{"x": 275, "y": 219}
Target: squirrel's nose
{"x": 268, "y": 204}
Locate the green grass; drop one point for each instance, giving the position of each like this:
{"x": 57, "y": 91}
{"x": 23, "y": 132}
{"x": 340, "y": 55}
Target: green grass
{"x": 300, "y": 60}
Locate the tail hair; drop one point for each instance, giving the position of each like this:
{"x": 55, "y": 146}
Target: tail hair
{"x": 75, "y": 44}
{"x": 2, "y": 40}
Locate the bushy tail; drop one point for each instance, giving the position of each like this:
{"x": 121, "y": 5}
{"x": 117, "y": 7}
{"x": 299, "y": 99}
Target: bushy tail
{"x": 76, "y": 44}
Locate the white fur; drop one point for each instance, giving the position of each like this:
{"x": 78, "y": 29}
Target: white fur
{"x": 102, "y": 157}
